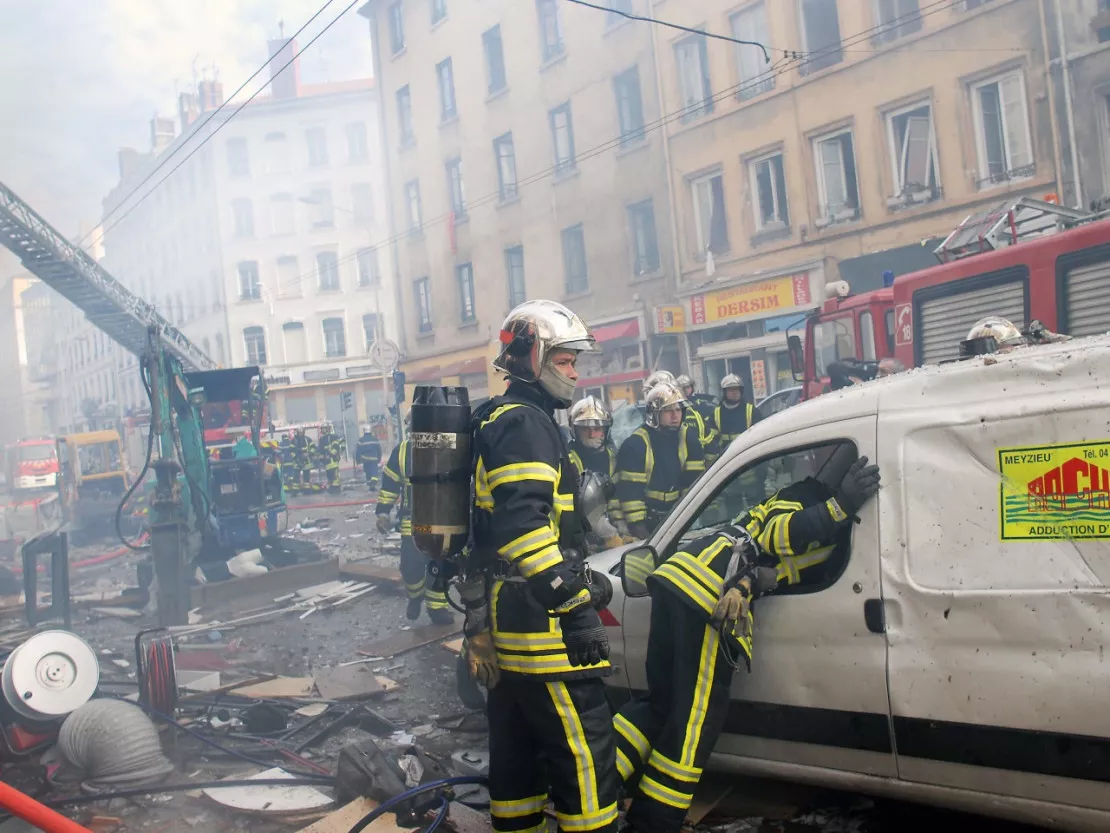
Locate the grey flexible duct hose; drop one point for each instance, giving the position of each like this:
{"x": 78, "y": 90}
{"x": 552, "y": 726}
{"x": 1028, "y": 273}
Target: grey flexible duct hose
{"x": 112, "y": 744}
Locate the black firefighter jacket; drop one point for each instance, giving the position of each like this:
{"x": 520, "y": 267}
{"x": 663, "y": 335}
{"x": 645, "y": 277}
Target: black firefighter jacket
{"x": 396, "y": 485}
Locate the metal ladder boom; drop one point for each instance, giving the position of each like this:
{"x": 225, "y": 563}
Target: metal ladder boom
{"x": 108, "y": 304}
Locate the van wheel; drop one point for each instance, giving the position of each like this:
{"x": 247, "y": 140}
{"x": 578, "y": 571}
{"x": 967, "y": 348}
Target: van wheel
{"x": 473, "y": 695}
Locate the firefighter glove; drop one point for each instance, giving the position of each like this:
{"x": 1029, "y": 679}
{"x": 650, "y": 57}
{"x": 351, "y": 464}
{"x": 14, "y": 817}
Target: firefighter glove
{"x": 584, "y": 636}
{"x": 733, "y": 608}
{"x": 858, "y": 486}
{"x": 383, "y": 524}
{"x": 481, "y": 659}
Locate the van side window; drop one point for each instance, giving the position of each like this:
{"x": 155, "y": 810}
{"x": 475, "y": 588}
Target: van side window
{"x": 889, "y": 318}
{"x": 762, "y": 480}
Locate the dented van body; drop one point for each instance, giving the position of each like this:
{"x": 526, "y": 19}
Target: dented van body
{"x": 956, "y": 654}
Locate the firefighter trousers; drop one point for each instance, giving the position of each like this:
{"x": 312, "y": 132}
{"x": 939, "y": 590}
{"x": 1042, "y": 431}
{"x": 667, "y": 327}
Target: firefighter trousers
{"x": 414, "y": 572}
{"x": 664, "y": 738}
{"x": 551, "y": 739}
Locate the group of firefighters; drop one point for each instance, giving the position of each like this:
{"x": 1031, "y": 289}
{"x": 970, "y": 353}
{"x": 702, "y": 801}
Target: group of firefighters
{"x": 300, "y": 457}
{"x": 533, "y": 631}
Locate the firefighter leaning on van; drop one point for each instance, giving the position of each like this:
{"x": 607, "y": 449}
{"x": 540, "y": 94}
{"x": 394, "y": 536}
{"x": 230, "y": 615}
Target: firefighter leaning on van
{"x": 591, "y": 451}
{"x": 658, "y": 462}
{"x": 396, "y": 490}
{"x": 536, "y": 640}
{"x": 701, "y": 628}
{"x": 699, "y": 413}
{"x": 734, "y": 415}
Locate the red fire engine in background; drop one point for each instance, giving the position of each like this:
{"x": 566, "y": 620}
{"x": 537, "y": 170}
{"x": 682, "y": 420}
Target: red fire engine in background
{"x": 1024, "y": 260}
{"x": 31, "y": 468}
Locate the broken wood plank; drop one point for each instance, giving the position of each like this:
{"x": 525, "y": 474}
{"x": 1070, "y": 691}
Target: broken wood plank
{"x": 403, "y": 641}
{"x": 455, "y": 646}
{"x": 348, "y": 816}
{"x": 347, "y": 683}
{"x": 272, "y": 583}
{"x": 387, "y": 684}
{"x": 278, "y": 687}
{"x": 361, "y": 571}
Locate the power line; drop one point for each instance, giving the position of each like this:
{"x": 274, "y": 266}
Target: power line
{"x": 630, "y": 16}
{"x": 221, "y": 125}
{"x": 196, "y": 131}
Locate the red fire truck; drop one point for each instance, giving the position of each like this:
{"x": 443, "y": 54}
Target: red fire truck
{"x": 32, "y": 465}
{"x": 1025, "y": 260}
{"x": 32, "y": 505}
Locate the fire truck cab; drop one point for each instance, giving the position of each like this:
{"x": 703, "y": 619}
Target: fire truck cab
{"x": 32, "y": 465}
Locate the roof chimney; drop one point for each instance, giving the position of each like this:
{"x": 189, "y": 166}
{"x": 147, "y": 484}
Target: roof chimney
{"x": 211, "y": 94}
{"x": 161, "y": 132}
{"x": 284, "y": 83}
{"x": 188, "y": 109}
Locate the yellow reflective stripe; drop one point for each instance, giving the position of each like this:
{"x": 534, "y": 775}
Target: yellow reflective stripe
{"x": 712, "y": 582}
{"x": 652, "y": 494}
{"x": 698, "y": 594}
{"x": 534, "y": 539}
{"x": 528, "y": 641}
{"x": 581, "y": 822}
{"x": 542, "y": 665}
{"x": 537, "y": 562}
{"x": 577, "y": 600}
{"x": 576, "y": 461}
{"x": 750, "y": 413}
{"x": 564, "y": 503}
{"x": 665, "y": 795}
{"x": 681, "y": 772}
{"x": 707, "y": 555}
{"x": 634, "y": 476}
{"x": 624, "y": 766}
{"x": 631, "y": 733}
{"x": 516, "y": 472}
{"x": 389, "y": 472}
{"x": 695, "y": 465}
{"x": 580, "y": 749}
{"x": 517, "y": 807}
{"x": 707, "y": 667}
{"x": 835, "y": 511}
{"x": 502, "y": 410}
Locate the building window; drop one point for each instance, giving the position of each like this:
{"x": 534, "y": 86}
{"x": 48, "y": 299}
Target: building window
{"x": 575, "y": 276}
{"x": 767, "y": 176}
{"x": 710, "y": 222}
{"x": 255, "y": 340}
{"x": 1002, "y": 130}
{"x": 250, "y": 285}
{"x": 630, "y": 106}
{"x": 327, "y": 271}
{"x": 514, "y": 266}
{"x": 288, "y": 277}
{"x": 335, "y": 338}
{"x": 412, "y": 200}
{"x": 322, "y": 207}
{"x": 692, "y": 61}
{"x": 362, "y": 202}
{"x": 551, "y": 29}
{"x": 357, "y": 148}
{"x": 913, "y": 154}
{"x": 296, "y": 346}
{"x": 317, "y": 140}
{"x": 238, "y": 162}
{"x": 439, "y": 10}
{"x": 562, "y": 138}
{"x": 397, "y": 27}
{"x": 645, "y": 245}
{"x": 276, "y": 153}
{"x": 836, "y": 178}
{"x": 369, "y": 272}
{"x": 281, "y": 214}
{"x": 422, "y": 290}
{"x": 464, "y": 274}
{"x": 446, "y": 79}
{"x": 495, "y": 60}
{"x": 455, "y": 189}
{"x": 820, "y": 35}
{"x": 404, "y": 115}
{"x": 896, "y": 19}
{"x": 505, "y": 155}
{"x": 751, "y": 68}
{"x": 370, "y": 329}
{"x": 243, "y": 213}
{"x": 613, "y": 19}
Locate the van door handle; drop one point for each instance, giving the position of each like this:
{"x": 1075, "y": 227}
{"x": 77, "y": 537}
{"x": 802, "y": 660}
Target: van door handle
{"x": 874, "y": 615}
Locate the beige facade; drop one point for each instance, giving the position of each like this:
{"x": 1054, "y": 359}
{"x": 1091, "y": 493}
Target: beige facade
{"x": 892, "y": 123}
{"x": 523, "y": 164}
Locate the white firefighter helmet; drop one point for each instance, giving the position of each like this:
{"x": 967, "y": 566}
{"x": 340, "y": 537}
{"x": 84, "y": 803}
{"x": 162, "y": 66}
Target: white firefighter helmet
{"x": 662, "y": 396}
{"x": 530, "y": 334}
{"x": 684, "y": 383}
{"x": 732, "y": 381}
{"x": 590, "y": 411}
{"x": 989, "y": 335}
{"x": 656, "y": 378}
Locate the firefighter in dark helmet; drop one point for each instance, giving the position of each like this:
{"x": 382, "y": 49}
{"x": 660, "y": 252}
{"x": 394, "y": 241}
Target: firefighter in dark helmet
{"x": 396, "y": 490}
{"x": 549, "y": 721}
{"x": 658, "y": 463}
{"x": 734, "y": 415}
{"x": 699, "y": 413}
{"x": 701, "y": 629}
{"x": 591, "y": 451}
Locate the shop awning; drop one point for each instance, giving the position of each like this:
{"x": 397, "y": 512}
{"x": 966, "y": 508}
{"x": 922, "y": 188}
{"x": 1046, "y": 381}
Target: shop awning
{"x": 621, "y": 329}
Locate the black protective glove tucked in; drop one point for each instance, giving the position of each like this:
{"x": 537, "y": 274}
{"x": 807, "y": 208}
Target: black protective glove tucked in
{"x": 858, "y": 486}
{"x": 584, "y": 636}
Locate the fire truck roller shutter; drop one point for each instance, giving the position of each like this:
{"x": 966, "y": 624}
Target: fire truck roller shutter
{"x": 946, "y": 314}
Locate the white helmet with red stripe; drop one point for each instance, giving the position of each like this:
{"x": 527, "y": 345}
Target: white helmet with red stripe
{"x": 529, "y": 336}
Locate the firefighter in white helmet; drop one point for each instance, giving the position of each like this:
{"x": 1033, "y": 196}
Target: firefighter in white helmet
{"x": 591, "y": 451}
{"x": 734, "y": 415}
{"x": 699, "y": 413}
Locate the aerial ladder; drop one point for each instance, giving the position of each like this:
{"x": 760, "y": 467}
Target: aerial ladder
{"x": 179, "y": 378}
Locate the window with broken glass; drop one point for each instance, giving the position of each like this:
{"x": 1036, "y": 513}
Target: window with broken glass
{"x": 913, "y": 155}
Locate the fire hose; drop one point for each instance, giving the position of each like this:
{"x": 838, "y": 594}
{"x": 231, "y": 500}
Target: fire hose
{"x": 39, "y": 815}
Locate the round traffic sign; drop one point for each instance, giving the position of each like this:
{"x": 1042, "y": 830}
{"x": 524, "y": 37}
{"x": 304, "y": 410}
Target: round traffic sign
{"x": 384, "y": 354}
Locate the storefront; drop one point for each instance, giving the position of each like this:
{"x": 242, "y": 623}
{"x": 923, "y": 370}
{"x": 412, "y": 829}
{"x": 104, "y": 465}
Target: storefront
{"x": 470, "y": 368}
{"x": 615, "y": 373}
{"x": 741, "y": 329}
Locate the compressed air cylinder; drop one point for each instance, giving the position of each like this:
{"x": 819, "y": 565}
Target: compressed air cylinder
{"x": 441, "y": 470}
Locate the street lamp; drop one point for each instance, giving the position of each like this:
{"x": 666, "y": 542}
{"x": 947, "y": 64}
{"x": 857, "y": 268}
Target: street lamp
{"x": 378, "y": 321}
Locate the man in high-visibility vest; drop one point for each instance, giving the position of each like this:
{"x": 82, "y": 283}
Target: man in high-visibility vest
{"x": 734, "y": 415}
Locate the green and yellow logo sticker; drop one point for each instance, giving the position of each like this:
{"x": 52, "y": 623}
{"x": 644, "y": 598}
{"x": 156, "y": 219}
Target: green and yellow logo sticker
{"x": 1055, "y": 492}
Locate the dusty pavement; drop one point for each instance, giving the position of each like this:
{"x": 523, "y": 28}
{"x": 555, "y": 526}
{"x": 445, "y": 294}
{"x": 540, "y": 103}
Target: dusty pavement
{"x": 424, "y": 708}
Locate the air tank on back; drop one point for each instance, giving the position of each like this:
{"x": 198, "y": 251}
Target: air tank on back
{"x": 441, "y": 470}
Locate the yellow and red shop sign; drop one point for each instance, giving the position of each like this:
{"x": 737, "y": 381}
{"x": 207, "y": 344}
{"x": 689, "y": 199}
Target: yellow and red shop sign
{"x": 751, "y": 300}
{"x": 670, "y": 319}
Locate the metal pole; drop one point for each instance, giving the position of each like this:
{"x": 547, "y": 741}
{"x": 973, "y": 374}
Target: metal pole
{"x": 385, "y": 382}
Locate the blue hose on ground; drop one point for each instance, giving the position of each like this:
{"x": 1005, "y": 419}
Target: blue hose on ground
{"x": 441, "y": 813}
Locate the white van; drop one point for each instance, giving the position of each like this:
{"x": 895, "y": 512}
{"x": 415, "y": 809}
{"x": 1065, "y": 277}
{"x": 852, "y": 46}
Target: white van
{"x": 955, "y": 650}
